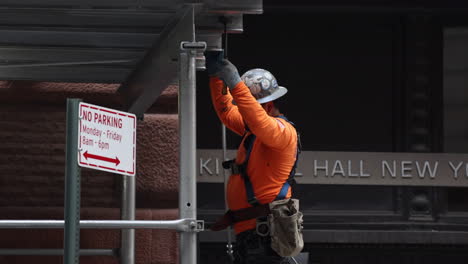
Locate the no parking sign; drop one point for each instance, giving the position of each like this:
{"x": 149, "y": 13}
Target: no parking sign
{"x": 107, "y": 139}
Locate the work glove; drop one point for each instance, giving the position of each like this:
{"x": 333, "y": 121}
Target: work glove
{"x": 217, "y": 66}
{"x": 228, "y": 73}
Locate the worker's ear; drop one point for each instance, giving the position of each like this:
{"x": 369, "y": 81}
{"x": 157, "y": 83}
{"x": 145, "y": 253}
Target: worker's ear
{"x": 268, "y": 107}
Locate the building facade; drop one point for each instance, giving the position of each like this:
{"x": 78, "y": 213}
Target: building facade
{"x": 374, "y": 79}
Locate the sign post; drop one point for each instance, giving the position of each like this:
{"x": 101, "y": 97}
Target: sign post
{"x": 107, "y": 142}
{"x": 72, "y": 187}
{"x": 107, "y": 139}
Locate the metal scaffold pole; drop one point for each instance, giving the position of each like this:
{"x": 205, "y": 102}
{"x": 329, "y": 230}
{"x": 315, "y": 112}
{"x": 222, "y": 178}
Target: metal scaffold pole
{"x": 229, "y": 248}
{"x": 188, "y": 144}
{"x": 187, "y": 190}
{"x": 182, "y": 225}
{"x": 127, "y": 246}
{"x": 72, "y": 186}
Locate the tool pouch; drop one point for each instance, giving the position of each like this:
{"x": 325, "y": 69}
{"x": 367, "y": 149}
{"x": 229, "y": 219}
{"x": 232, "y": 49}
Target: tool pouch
{"x": 285, "y": 221}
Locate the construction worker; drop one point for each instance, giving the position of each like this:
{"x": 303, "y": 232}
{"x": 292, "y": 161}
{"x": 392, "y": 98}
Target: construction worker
{"x": 249, "y": 109}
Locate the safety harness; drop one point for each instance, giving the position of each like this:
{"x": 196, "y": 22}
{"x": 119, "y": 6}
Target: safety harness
{"x": 257, "y": 210}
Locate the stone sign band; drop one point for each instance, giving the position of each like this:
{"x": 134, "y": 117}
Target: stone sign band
{"x": 360, "y": 168}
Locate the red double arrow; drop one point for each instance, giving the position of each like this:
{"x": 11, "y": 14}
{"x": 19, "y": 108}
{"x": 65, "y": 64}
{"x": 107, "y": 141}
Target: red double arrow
{"x": 97, "y": 157}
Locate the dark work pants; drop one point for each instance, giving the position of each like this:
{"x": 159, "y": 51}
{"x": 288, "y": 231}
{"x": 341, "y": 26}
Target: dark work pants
{"x": 254, "y": 249}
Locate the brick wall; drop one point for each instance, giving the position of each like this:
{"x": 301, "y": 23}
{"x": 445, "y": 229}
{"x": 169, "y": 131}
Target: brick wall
{"x": 32, "y": 158}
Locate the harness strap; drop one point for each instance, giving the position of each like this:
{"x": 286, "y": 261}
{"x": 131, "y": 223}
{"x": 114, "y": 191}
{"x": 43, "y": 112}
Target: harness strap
{"x": 231, "y": 217}
{"x": 248, "y": 143}
{"x": 284, "y": 190}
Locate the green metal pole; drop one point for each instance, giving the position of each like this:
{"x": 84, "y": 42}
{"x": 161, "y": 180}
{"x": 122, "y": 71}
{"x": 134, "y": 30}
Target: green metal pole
{"x": 72, "y": 186}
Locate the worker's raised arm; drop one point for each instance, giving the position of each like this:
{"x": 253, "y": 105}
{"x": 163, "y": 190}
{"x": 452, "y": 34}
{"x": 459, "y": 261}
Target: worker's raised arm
{"x": 227, "y": 112}
{"x": 271, "y": 131}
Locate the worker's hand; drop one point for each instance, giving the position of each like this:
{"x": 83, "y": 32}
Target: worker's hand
{"x": 213, "y": 60}
{"x": 229, "y": 74}
{"x": 222, "y": 68}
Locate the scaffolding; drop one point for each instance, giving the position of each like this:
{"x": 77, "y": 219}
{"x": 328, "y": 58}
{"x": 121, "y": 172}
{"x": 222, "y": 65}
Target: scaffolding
{"x": 188, "y": 226}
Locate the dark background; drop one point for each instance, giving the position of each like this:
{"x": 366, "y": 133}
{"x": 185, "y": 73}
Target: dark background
{"x": 339, "y": 76}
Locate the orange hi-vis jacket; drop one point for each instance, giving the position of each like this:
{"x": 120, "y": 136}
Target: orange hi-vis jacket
{"x": 273, "y": 153}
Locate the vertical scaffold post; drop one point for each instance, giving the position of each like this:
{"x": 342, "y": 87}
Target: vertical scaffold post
{"x": 127, "y": 246}
{"x": 72, "y": 186}
{"x": 187, "y": 180}
{"x": 187, "y": 134}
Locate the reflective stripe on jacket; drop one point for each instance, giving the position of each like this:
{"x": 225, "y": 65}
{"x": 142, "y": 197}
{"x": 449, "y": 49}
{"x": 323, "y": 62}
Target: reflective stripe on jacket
{"x": 273, "y": 153}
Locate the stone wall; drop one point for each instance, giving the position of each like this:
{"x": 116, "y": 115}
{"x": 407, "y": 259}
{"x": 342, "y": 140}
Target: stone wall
{"x": 32, "y": 166}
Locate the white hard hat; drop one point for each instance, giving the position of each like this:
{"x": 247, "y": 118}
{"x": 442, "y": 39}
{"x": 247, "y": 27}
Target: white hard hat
{"x": 263, "y": 85}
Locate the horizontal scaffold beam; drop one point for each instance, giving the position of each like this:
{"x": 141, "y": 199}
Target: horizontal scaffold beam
{"x": 182, "y": 225}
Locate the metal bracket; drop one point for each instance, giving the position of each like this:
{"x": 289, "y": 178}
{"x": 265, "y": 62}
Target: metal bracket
{"x": 197, "y": 48}
{"x": 187, "y": 45}
{"x": 197, "y": 226}
{"x": 200, "y": 62}
{"x": 193, "y": 225}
